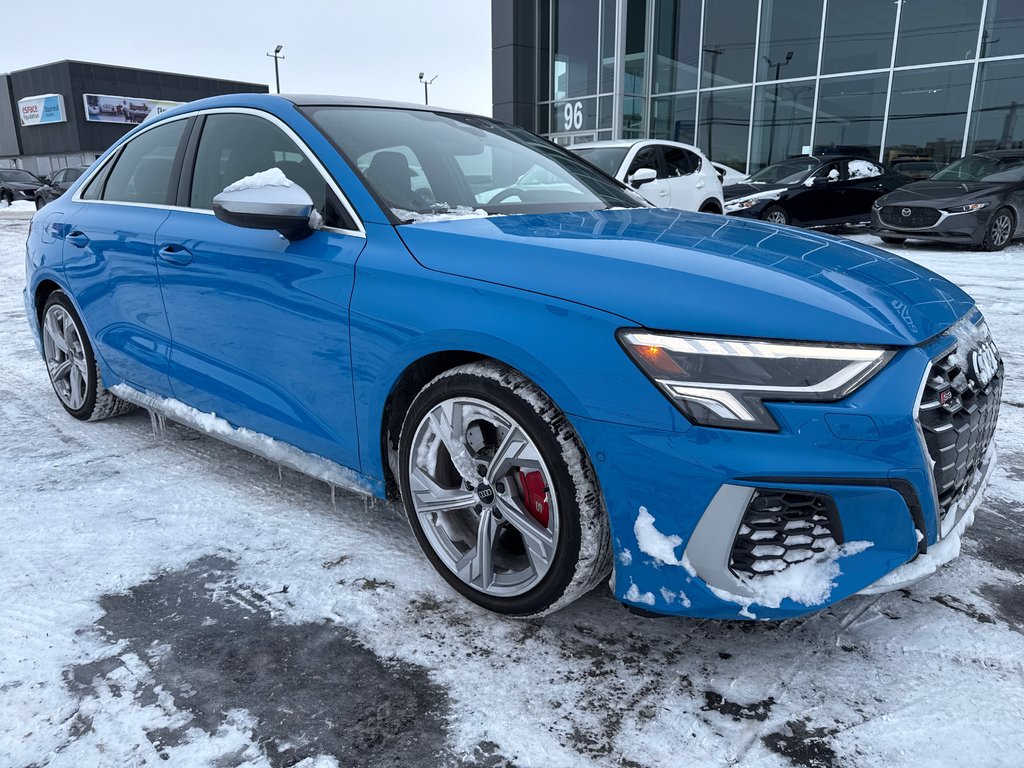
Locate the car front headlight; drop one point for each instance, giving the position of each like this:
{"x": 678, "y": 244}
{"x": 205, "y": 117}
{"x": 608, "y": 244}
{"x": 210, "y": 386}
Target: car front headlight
{"x": 970, "y": 208}
{"x": 740, "y": 204}
{"x": 724, "y": 382}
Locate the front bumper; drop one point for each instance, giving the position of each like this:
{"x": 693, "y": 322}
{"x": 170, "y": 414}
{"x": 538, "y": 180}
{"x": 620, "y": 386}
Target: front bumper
{"x": 676, "y": 499}
{"x": 960, "y": 228}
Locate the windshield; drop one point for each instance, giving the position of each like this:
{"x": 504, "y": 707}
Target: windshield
{"x": 983, "y": 168}
{"x": 424, "y": 164}
{"x": 608, "y": 159}
{"x": 789, "y": 172}
{"x": 18, "y": 175}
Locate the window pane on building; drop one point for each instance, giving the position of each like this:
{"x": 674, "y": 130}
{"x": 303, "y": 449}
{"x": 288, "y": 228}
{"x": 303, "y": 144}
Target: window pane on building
{"x": 790, "y": 31}
{"x": 782, "y": 122}
{"x": 636, "y": 49}
{"x": 858, "y": 35}
{"x": 998, "y": 122}
{"x": 1004, "y": 28}
{"x": 937, "y": 30}
{"x": 724, "y": 126}
{"x": 850, "y": 115}
{"x": 607, "y": 46}
{"x": 928, "y": 113}
{"x": 672, "y": 117}
{"x": 676, "y": 45}
{"x": 575, "y": 61}
{"x": 729, "y": 32}
{"x": 633, "y": 126}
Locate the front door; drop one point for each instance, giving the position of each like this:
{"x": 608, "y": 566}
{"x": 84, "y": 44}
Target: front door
{"x": 259, "y": 324}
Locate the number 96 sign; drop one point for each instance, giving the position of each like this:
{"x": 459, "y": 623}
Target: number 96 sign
{"x": 575, "y": 115}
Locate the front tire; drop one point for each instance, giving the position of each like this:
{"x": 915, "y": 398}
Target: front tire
{"x": 39, "y": 203}
{"x": 775, "y": 214}
{"x": 500, "y": 493}
{"x": 71, "y": 364}
{"x": 1000, "y": 230}
{"x": 7, "y": 197}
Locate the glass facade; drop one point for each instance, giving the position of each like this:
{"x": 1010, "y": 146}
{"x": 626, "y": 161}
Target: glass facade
{"x": 755, "y": 81}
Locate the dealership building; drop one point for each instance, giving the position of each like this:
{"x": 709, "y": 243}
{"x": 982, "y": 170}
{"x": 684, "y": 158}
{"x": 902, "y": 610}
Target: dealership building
{"x": 755, "y": 81}
{"x": 69, "y": 112}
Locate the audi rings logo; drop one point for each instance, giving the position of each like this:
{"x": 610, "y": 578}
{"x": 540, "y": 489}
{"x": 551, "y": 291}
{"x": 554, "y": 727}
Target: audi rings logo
{"x": 906, "y": 212}
{"x": 984, "y": 363}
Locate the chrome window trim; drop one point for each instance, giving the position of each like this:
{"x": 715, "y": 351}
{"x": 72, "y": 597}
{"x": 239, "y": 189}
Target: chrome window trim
{"x": 359, "y": 231}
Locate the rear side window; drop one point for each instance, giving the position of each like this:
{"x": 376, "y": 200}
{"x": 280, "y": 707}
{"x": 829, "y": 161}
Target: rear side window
{"x": 235, "y": 146}
{"x": 142, "y": 173}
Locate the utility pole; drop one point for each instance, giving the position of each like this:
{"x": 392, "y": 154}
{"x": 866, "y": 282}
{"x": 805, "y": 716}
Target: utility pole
{"x": 276, "y": 56}
{"x": 775, "y": 103}
{"x": 426, "y": 85}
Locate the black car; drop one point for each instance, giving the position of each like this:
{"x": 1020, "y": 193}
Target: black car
{"x": 58, "y": 183}
{"x": 16, "y": 184}
{"x": 813, "y": 191}
{"x": 975, "y": 201}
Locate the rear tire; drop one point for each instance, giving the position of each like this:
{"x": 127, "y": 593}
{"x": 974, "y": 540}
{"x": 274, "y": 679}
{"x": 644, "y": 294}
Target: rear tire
{"x": 775, "y": 214}
{"x": 892, "y": 240}
{"x": 1001, "y": 228}
{"x": 71, "y": 364}
{"x": 515, "y": 521}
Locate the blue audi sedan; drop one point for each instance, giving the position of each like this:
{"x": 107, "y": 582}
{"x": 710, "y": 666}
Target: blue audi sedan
{"x": 561, "y": 383}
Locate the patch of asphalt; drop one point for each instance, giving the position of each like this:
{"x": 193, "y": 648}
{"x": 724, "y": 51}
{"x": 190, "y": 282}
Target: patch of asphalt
{"x": 311, "y": 689}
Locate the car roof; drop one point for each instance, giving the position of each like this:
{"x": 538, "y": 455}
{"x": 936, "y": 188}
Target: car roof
{"x": 627, "y": 143}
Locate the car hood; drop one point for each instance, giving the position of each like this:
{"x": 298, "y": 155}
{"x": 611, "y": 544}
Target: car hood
{"x": 21, "y": 185}
{"x": 733, "y": 191}
{"x": 700, "y": 273}
{"x": 941, "y": 191}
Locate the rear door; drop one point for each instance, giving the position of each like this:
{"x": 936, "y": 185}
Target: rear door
{"x": 110, "y": 254}
{"x": 866, "y": 182}
{"x": 260, "y": 324}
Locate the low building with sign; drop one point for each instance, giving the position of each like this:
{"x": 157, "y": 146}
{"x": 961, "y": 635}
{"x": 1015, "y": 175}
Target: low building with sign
{"x": 67, "y": 113}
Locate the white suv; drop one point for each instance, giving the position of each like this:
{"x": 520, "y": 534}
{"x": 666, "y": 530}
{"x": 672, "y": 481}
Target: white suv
{"x": 669, "y": 174}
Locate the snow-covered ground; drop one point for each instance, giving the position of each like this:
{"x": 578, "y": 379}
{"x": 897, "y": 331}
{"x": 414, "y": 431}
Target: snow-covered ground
{"x": 175, "y": 601}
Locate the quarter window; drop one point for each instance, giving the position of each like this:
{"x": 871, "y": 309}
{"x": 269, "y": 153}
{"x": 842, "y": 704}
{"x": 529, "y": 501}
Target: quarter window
{"x": 142, "y": 173}
{"x": 234, "y": 146}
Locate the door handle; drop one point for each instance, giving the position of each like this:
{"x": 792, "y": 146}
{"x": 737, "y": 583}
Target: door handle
{"x": 663, "y": 193}
{"x": 176, "y": 254}
{"x": 78, "y": 239}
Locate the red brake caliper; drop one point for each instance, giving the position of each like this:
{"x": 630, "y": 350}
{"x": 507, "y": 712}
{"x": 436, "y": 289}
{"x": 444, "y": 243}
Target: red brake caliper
{"x": 535, "y": 496}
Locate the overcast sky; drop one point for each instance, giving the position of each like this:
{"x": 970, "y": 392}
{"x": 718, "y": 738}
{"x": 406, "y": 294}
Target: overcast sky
{"x": 374, "y": 49}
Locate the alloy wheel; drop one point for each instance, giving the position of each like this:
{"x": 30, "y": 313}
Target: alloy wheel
{"x": 1001, "y": 229}
{"x": 482, "y": 495}
{"x": 65, "y": 357}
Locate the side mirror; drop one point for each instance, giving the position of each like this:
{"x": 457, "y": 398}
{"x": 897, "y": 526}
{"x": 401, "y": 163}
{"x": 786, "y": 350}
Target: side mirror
{"x": 643, "y": 176}
{"x": 268, "y": 200}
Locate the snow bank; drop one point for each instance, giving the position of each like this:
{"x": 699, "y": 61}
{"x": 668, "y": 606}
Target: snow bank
{"x": 272, "y": 177}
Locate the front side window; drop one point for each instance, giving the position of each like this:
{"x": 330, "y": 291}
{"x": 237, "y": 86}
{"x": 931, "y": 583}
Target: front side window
{"x": 142, "y": 172}
{"x": 72, "y": 174}
{"x": 645, "y": 158}
{"x": 420, "y": 162}
{"x": 234, "y": 146}
{"x": 58, "y": 177}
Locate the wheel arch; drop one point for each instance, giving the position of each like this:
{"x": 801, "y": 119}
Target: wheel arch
{"x": 711, "y": 205}
{"x": 418, "y": 370}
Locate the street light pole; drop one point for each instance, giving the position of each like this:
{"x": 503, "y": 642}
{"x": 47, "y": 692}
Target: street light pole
{"x": 775, "y": 102}
{"x": 276, "y": 56}
{"x": 426, "y": 85}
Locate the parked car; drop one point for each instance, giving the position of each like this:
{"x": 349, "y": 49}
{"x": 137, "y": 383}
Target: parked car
{"x": 813, "y": 191}
{"x": 17, "y": 184}
{"x": 58, "y": 183}
{"x": 728, "y": 175}
{"x": 978, "y": 200}
{"x": 667, "y": 173}
{"x": 810, "y": 416}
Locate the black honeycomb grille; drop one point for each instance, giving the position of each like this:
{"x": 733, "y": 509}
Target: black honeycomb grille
{"x": 958, "y": 415}
{"x": 781, "y": 528}
{"x": 918, "y": 218}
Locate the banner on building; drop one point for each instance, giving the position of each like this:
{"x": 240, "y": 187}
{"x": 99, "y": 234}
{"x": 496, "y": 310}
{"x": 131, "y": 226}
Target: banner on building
{"x": 123, "y": 109}
{"x": 40, "y": 110}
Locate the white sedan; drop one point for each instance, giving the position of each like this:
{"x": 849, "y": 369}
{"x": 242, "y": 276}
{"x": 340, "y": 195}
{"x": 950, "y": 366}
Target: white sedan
{"x": 667, "y": 173}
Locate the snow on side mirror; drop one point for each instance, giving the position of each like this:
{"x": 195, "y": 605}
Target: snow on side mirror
{"x": 268, "y": 200}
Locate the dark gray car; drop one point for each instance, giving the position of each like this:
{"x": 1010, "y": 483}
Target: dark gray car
{"x": 58, "y": 183}
{"x": 978, "y": 200}
{"x": 16, "y": 184}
